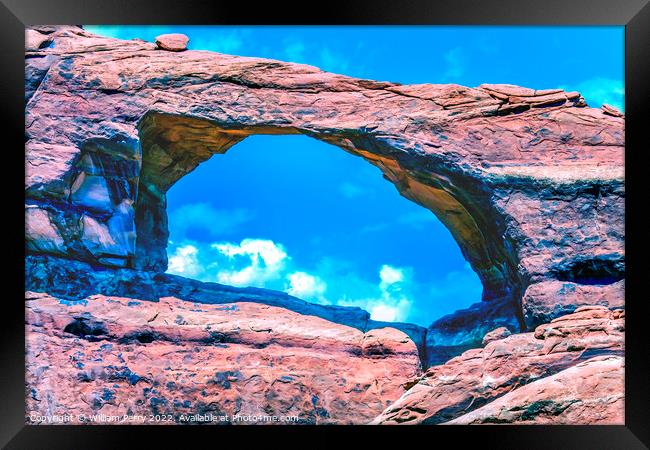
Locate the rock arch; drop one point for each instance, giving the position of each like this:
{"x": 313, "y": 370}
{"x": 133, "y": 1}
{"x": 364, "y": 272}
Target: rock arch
{"x": 529, "y": 182}
{"x": 173, "y": 145}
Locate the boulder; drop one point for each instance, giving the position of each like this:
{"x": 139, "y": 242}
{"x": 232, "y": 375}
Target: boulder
{"x": 172, "y": 42}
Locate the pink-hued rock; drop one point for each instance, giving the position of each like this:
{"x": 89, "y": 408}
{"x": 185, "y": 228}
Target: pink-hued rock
{"x": 610, "y": 110}
{"x": 589, "y": 393}
{"x": 117, "y": 356}
{"x": 547, "y": 300}
{"x": 173, "y": 42}
{"x": 34, "y": 40}
{"x": 479, "y": 376}
{"x": 530, "y": 182}
{"x": 496, "y": 334}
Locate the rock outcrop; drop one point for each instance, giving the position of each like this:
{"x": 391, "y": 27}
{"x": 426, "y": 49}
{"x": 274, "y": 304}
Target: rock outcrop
{"x": 111, "y": 356}
{"x": 77, "y": 280}
{"x": 589, "y": 393}
{"x": 480, "y": 376}
{"x": 529, "y": 182}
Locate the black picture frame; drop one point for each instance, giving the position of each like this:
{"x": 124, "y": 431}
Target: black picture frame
{"x": 633, "y": 14}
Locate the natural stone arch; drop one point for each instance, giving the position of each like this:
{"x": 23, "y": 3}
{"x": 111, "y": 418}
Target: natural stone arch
{"x": 530, "y": 182}
{"x": 174, "y": 145}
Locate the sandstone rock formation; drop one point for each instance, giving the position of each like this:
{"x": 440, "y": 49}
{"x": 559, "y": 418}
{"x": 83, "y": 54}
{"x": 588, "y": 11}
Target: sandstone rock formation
{"x": 479, "y": 376}
{"x": 120, "y": 356}
{"x": 529, "y": 182}
{"x": 591, "y": 392}
{"x": 173, "y": 42}
{"x": 77, "y": 280}
{"x": 495, "y": 335}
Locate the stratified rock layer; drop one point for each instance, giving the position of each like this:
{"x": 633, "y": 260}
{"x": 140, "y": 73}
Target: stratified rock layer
{"x": 590, "y": 393}
{"x": 76, "y": 280}
{"x": 479, "y": 376}
{"x": 116, "y": 356}
{"x": 529, "y": 182}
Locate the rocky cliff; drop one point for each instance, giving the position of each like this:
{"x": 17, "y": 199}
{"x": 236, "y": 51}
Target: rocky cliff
{"x": 529, "y": 182}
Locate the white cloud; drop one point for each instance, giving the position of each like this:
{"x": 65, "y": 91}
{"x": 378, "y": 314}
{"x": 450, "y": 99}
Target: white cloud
{"x": 390, "y": 275}
{"x": 184, "y": 261}
{"x": 266, "y": 261}
{"x": 306, "y": 286}
{"x": 389, "y": 312}
{"x": 205, "y": 218}
{"x": 392, "y": 302}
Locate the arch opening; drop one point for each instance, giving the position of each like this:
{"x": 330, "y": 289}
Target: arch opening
{"x": 294, "y": 214}
{"x": 174, "y": 145}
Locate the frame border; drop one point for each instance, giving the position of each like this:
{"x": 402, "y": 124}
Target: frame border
{"x": 633, "y": 14}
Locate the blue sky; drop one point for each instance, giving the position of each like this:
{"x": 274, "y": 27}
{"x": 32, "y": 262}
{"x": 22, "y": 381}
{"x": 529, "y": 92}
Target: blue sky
{"x": 296, "y": 214}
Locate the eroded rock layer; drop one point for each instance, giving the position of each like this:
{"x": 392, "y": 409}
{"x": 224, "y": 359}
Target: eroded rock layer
{"x": 529, "y": 182}
{"x": 511, "y": 365}
{"x": 591, "y": 392}
{"x": 116, "y": 356}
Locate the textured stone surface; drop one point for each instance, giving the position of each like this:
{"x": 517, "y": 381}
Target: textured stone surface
{"x": 173, "y": 42}
{"x": 589, "y": 393}
{"x": 495, "y": 335}
{"x": 114, "y": 356}
{"x": 77, "y": 280}
{"x": 529, "y": 182}
{"x": 542, "y": 302}
{"x": 479, "y": 376}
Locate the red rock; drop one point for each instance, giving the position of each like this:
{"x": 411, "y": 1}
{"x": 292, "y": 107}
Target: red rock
{"x": 513, "y": 187}
{"x": 116, "y": 356}
{"x": 496, "y": 334}
{"x": 479, "y": 376}
{"x": 542, "y": 302}
{"x": 34, "y": 40}
{"x": 610, "y": 110}
{"x": 589, "y": 393}
{"x": 173, "y": 42}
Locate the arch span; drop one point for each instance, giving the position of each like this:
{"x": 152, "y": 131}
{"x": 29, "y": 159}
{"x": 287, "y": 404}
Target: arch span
{"x": 529, "y": 182}
{"x": 174, "y": 145}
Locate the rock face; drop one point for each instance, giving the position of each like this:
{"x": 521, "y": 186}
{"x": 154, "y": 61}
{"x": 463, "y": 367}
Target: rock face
{"x": 116, "y": 356}
{"x": 495, "y": 335}
{"x": 549, "y": 299}
{"x": 589, "y": 393}
{"x": 479, "y": 376}
{"x": 76, "y": 280}
{"x": 529, "y": 182}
